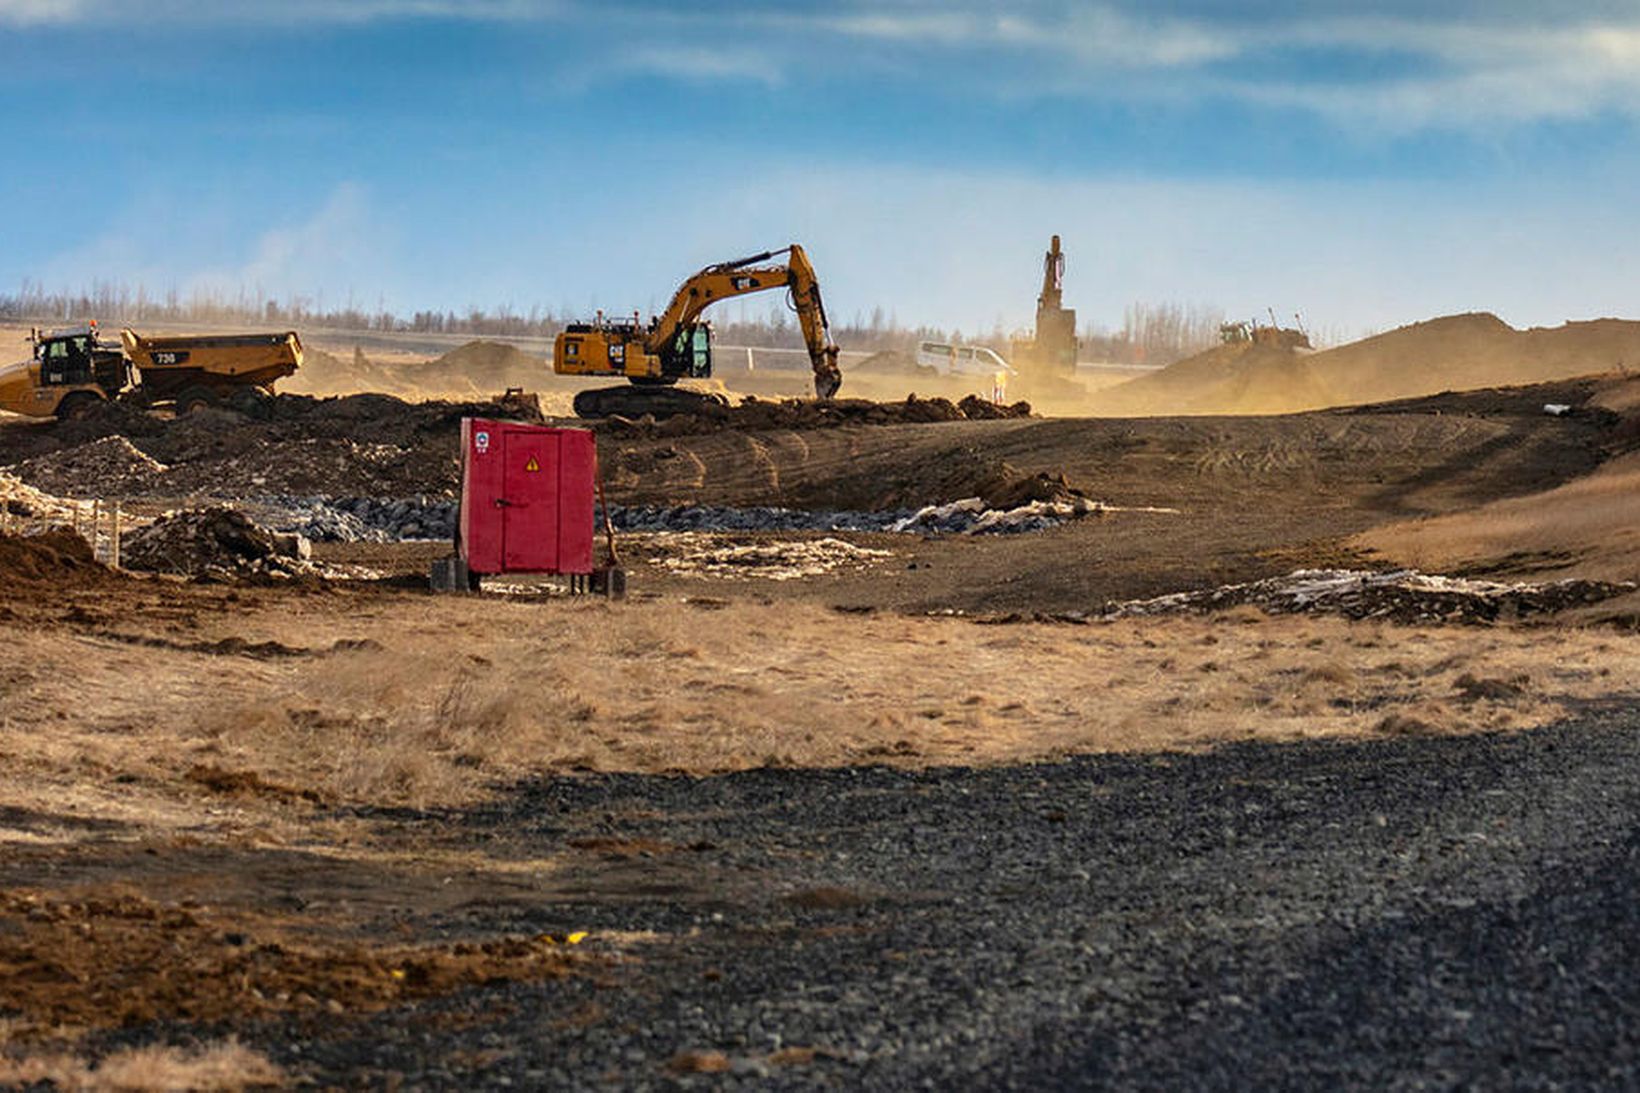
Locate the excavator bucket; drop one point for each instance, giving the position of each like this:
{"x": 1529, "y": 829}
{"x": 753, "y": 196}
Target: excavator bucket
{"x": 828, "y": 378}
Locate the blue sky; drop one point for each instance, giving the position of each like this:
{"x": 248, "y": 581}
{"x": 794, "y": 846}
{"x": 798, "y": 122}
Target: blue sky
{"x": 1367, "y": 165}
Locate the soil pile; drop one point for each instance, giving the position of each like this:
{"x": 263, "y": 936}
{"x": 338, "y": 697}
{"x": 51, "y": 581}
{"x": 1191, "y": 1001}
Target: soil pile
{"x": 108, "y": 467}
{"x": 473, "y": 370}
{"x": 357, "y": 445}
{"x": 216, "y": 542}
{"x": 325, "y": 373}
{"x": 479, "y": 368}
{"x": 51, "y": 557}
{"x": 802, "y": 414}
{"x": 952, "y": 475}
{"x": 1457, "y": 352}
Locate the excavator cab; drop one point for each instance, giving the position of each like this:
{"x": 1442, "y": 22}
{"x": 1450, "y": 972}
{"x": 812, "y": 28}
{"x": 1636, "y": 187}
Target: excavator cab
{"x": 690, "y": 354}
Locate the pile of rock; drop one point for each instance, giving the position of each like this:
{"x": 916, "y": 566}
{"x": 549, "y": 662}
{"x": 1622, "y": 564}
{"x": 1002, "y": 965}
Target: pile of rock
{"x": 1401, "y": 596}
{"x": 110, "y": 466}
{"x": 973, "y": 516}
{"x": 768, "y": 561}
{"x": 220, "y": 542}
{"x": 24, "y": 504}
{"x": 361, "y": 519}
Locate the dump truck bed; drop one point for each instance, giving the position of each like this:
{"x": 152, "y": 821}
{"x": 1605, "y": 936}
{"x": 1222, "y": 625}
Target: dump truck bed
{"x": 174, "y": 363}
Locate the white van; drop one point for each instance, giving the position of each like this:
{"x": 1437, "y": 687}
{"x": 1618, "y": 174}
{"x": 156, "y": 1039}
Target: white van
{"x": 961, "y": 360}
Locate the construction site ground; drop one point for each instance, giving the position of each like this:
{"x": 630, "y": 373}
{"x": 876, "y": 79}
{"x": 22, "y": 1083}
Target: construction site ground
{"x": 836, "y": 808}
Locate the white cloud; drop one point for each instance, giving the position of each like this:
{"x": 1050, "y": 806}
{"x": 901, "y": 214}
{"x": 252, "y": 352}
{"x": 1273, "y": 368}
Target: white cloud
{"x": 1458, "y": 70}
{"x": 1101, "y": 35}
{"x": 696, "y": 63}
{"x": 30, "y": 12}
{"x": 1468, "y": 74}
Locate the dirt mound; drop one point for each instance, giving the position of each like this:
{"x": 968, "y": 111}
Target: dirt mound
{"x": 890, "y": 361}
{"x": 480, "y": 367}
{"x": 51, "y": 557}
{"x": 108, "y": 467}
{"x": 757, "y": 414}
{"x": 475, "y": 369}
{"x": 216, "y": 542}
{"x": 951, "y": 475}
{"x": 1457, "y": 352}
{"x": 328, "y": 374}
{"x": 351, "y": 446}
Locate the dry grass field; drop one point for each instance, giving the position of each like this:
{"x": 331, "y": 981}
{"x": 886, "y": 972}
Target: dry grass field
{"x": 399, "y": 700}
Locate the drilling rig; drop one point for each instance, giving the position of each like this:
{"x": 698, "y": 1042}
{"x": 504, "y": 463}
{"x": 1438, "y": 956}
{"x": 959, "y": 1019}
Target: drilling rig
{"x": 1052, "y": 349}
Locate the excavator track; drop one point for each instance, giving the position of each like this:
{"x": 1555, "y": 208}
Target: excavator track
{"x": 634, "y": 401}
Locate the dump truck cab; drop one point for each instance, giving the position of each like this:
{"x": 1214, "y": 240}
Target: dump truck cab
{"x": 71, "y": 370}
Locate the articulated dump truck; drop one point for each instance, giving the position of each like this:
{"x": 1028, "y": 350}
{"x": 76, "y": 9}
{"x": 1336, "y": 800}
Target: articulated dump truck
{"x": 73, "y": 370}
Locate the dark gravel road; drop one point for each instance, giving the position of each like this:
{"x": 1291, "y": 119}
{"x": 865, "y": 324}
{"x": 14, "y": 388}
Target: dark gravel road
{"x": 1411, "y": 913}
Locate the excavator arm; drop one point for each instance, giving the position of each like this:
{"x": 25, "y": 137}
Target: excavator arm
{"x": 727, "y": 279}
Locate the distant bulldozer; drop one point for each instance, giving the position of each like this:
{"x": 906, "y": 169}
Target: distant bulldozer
{"x": 1274, "y": 335}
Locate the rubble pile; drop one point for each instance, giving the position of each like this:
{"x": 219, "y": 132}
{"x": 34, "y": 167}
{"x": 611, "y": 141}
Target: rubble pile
{"x": 110, "y": 466}
{"x": 217, "y": 542}
{"x": 361, "y": 519}
{"x": 1405, "y": 596}
{"x": 21, "y": 502}
{"x": 974, "y": 517}
{"x": 697, "y": 557}
{"x": 304, "y": 466}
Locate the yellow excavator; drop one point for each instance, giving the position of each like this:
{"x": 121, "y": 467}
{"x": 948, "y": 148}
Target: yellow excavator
{"x": 677, "y": 344}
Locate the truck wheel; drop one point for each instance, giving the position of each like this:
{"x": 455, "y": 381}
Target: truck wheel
{"x": 250, "y": 401}
{"x": 76, "y": 405}
{"x": 195, "y": 399}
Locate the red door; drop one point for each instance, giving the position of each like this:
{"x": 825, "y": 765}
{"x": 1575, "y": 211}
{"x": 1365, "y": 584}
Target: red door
{"x": 529, "y": 498}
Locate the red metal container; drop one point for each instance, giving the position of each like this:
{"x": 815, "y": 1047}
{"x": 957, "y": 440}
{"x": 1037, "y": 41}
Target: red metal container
{"x": 526, "y": 498}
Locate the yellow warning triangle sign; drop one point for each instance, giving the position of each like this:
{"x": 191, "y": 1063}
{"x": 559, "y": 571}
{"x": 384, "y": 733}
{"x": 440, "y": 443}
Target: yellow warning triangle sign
{"x": 532, "y": 465}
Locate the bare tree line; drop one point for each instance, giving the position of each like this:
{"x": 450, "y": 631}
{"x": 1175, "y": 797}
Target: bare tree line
{"x": 1151, "y": 333}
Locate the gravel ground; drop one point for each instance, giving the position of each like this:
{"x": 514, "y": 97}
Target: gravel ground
{"x": 1409, "y": 913}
